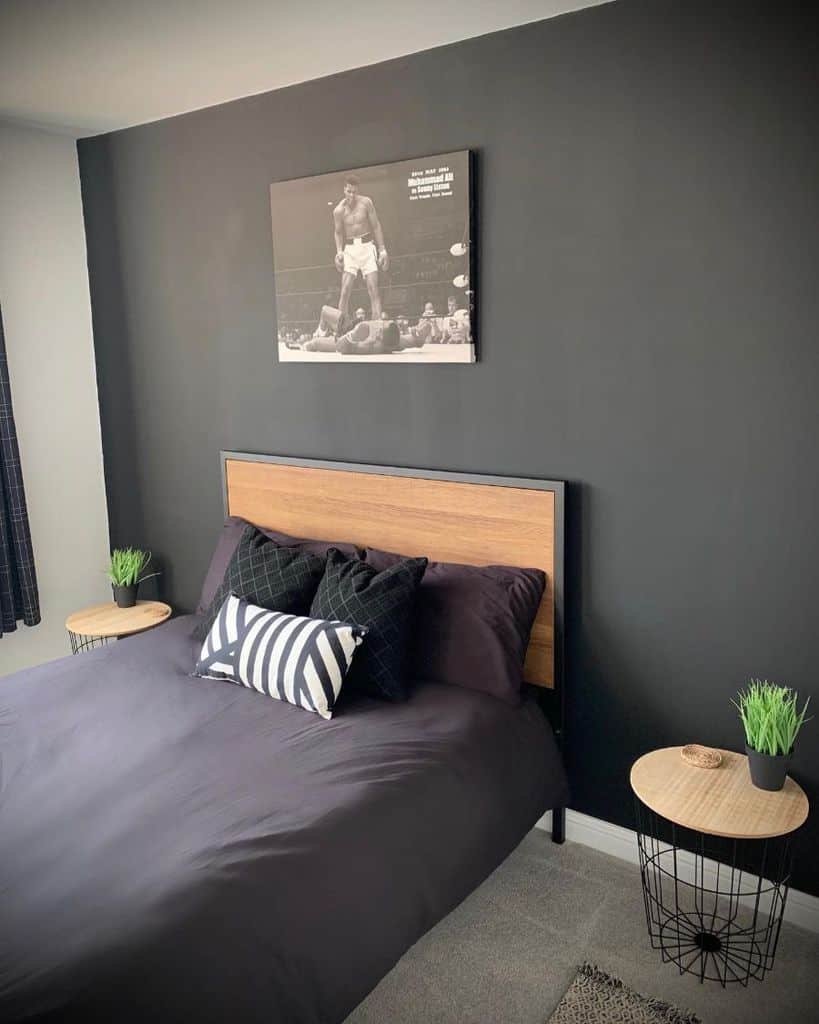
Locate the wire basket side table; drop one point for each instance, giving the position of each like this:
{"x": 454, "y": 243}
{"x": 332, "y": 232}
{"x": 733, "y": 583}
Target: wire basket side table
{"x": 715, "y": 863}
{"x": 99, "y": 625}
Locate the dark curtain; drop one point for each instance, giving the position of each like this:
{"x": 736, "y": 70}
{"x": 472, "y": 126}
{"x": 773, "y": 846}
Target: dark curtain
{"x": 18, "y": 581}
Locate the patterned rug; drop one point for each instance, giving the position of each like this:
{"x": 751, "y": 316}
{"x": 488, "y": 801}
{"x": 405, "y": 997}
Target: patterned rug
{"x": 595, "y": 997}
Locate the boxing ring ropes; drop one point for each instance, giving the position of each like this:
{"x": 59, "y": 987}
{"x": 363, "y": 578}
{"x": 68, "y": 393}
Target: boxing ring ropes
{"x": 460, "y": 281}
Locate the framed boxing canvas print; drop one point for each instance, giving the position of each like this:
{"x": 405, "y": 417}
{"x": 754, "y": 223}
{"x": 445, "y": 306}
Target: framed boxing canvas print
{"x": 376, "y": 264}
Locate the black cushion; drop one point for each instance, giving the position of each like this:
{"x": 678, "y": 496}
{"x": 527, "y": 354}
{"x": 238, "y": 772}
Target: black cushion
{"x": 264, "y": 574}
{"x": 353, "y": 591}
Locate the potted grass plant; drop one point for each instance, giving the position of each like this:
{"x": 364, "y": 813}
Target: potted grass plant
{"x": 772, "y": 720}
{"x": 126, "y": 572}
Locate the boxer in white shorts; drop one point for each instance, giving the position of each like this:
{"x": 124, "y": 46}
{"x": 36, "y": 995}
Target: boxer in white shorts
{"x": 360, "y": 246}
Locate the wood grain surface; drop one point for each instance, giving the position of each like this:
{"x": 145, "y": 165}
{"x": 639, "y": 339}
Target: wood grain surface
{"x": 718, "y": 801}
{"x": 109, "y": 620}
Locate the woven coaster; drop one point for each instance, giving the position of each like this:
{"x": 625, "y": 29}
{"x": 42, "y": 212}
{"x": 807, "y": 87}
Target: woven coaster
{"x": 701, "y": 757}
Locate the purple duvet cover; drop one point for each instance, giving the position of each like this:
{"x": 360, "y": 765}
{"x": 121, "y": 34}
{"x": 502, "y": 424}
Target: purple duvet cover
{"x": 180, "y": 849}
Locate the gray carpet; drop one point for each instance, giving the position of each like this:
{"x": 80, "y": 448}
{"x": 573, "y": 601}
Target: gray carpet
{"x": 510, "y": 951}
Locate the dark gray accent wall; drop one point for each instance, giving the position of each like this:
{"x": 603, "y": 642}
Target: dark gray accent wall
{"x": 647, "y": 210}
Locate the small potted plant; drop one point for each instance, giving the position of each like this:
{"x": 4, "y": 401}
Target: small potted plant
{"x": 126, "y": 572}
{"x": 772, "y": 721}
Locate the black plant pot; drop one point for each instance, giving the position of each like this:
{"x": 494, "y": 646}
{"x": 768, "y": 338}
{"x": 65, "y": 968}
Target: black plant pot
{"x": 125, "y": 596}
{"x": 767, "y": 771}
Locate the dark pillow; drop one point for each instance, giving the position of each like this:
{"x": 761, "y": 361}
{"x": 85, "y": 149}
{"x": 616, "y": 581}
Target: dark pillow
{"x": 353, "y": 591}
{"x": 228, "y": 539}
{"x": 472, "y": 624}
{"x": 264, "y": 574}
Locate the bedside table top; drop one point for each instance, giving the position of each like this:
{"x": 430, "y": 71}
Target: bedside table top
{"x": 718, "y": 801}
{"x": 109, "y": 620}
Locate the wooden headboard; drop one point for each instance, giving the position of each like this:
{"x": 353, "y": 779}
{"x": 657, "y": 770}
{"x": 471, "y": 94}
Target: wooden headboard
{"x": 449, "y": 517}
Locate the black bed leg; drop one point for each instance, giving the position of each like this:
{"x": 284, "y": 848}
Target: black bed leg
{"x": 559, "y": 825}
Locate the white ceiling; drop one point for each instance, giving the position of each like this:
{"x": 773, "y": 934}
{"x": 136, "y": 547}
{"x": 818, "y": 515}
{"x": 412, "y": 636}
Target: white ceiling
{"x": 88, "y": 66}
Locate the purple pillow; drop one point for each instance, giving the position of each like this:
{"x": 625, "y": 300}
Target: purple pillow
{"x": 472, "y": 624}
{"x": 232, "y": 530}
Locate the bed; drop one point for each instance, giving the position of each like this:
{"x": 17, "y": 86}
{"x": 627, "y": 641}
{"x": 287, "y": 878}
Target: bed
{"x": 175, "y": 848}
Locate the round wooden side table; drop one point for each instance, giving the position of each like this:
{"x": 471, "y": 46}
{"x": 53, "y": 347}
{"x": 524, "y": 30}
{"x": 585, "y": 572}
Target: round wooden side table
{"x": 715, "y": 862}
{"x": 98, "y": 625}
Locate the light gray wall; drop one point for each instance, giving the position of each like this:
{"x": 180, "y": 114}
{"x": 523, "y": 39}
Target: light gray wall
{"x": 647, "y": 210}
{"x": 47, "y": 320}
{"x": 96, "y": 67}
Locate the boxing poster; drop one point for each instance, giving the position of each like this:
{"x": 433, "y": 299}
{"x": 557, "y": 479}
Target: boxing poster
{"x": 376, "y": 264}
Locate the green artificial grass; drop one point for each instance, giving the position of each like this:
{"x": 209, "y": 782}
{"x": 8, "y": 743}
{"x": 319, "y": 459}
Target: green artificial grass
{"x": 770, "y": 716}
{"x": 128, "y": 565}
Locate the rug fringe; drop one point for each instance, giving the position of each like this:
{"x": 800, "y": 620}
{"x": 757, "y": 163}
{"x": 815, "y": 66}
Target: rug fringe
{"x": 593, "y": 973}
{"x": 673, "y": 1014}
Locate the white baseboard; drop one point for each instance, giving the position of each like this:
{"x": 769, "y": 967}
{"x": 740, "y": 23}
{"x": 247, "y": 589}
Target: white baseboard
{"x": 801, "y": 908}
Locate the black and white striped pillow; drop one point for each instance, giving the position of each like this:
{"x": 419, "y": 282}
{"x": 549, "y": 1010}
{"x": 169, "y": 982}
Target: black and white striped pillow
{"x": 302, "y": 661}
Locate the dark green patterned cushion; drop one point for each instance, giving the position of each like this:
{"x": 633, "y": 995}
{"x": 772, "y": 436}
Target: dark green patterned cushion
{"x": 269, "y": 576}
{"x": 353, "y": 591}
